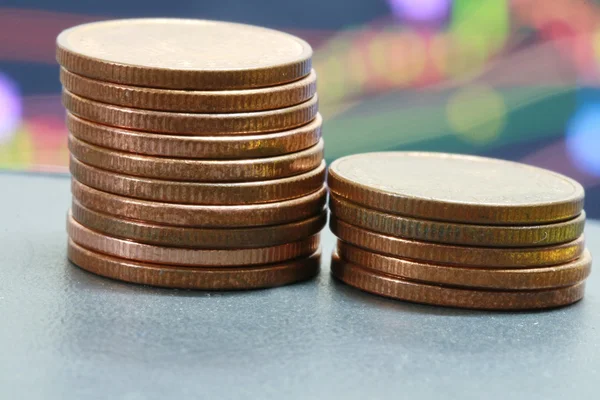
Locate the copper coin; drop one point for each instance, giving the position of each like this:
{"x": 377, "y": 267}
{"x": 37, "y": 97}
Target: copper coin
{"x": 183, "y": 54}
{"x": 456, "y": 188}
{"x": 491, "y": 257}
{"x": 455, "y": 233}
{"x": 199, "y": 193}
{"x": 202, "y": 238}
{"x": 213, "y": 101}
{"x": 255, "y": 169}
{"x": 484, "y": 278}
{"x": 192, "y": 124}
{"x": 388, "y": 286}
{"x": 235, "y": 278}
{"x": 201, "y": 215}
{"x": 207, "y": 147}
{"x": 191, "y": 257}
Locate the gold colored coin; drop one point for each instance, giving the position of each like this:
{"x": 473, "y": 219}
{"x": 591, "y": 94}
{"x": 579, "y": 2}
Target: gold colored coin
{"x": 189, "y": 123}
{"x": 456, "y": 188}
{"x": 183, "y": 54}
{"x": 482, "y": 278}
{"x": 202, "y": 238}
{"x": 388, "y": 286}
{"x": 256, "y": 169}
{"x": 191, "y": 257}
{"x": 205, "y": 147}
{"x": 216, "y": 278}
{"x": 213, "y": 101}
{"x": 205, "y": 216}
{"x": 491, "y": 257}
{"x": 455, "y": 233}
{"x": 199, "y": 193}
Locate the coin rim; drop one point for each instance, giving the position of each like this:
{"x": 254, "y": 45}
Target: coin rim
{"x": 185, "y": 146}
{"x": 468, "y": 277}
{"x": 434, "y": 209}
{"x": 197, "y": 170}
{"x": 456, "y": 233}
{"x": 405, "y": 290}
{"x": 490, "y": 257}
{"x": 130, "y": 250}
{"x": 197, "y": 101}
{"x": 201, "y": 238}
{"x": 173, "y": 78}
{"x": 261, "y": 192}
{"x": 194, "y": 215}
{"x": 194, "y": 124}
{"x": 236, "y": 278}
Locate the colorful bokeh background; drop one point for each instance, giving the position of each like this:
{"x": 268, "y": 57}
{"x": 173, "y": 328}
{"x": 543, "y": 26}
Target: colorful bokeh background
{"x": 510, "y": 79}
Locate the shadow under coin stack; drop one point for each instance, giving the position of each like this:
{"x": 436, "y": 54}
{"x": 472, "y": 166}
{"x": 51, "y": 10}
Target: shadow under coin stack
{"x": 458, "y": 231}
{"x": 196, "y": 153}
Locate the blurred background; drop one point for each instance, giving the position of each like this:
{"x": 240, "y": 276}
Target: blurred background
{"x": 513, "y": 79}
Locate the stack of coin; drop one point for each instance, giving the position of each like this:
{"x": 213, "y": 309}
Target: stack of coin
{"x": 458, "y": 231}
{"x": 196, "y": 153}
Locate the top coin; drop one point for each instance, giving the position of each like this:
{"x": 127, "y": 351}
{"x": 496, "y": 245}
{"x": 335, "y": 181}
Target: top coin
{"x": 183, "y": 54}
{"x": 456, "y": 188}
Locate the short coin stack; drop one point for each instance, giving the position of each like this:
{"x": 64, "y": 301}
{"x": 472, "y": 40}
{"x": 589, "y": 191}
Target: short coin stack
{"x": 458, "y": 231}
{"x": 196, "y": 153}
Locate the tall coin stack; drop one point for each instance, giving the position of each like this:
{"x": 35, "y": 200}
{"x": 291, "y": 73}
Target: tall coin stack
{"x": 458, "y": 231}
{"x": 196, "y": 153}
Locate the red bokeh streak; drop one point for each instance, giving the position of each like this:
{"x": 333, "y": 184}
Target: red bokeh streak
{"x": 29, "y": 35}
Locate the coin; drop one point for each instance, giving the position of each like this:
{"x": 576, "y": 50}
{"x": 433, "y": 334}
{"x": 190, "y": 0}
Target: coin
{"x": 189, "y": 123}
{"x": 204, "y": 238}
{"x": 199, "y": 193}
{"x": 455, "y": 233}
{"x": 178, "y": 169}
{"x": 216, "y": 278}
{"x": 191, "y": 257}
{"x": 458, "y": 255}
{"x": 483, "y": 278}
{"x": 208, "y": 147}
{"x": 183, "y": 54}
{"x": 388, "y": 286}
{"x": 214, "y": 101}
{"x": 456, "y": 188}
{"x": 201, "y": 215}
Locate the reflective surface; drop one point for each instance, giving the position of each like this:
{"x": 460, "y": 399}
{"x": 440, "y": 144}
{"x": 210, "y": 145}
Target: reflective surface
{"x": 68, "y": 334}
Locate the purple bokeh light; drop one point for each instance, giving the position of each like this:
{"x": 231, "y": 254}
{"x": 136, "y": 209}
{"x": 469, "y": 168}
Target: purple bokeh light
{"x": 10, "y": 108}
{"x": 583, "y": 140}
{"x": 420, "y": 10}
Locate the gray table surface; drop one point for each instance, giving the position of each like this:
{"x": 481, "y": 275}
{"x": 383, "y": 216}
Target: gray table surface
{"x": 67, "y": 334}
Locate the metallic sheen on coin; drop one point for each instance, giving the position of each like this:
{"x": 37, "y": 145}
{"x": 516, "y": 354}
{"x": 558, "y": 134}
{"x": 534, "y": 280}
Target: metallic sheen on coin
{"x": 183, "y": 54}
{"x": 205, "y": 238}
{"x": 192, "y": 123}
{"x": 178, "y": 169}
{"x": 215, "y": 278}
{"x": 490, "y": 257}
{"x": 199, "y": 193}
{"x": 191, "y": 257}
{"x": 206, "y": 216}
{"x": 456, "y": 188}
{"x": 213, "y": 101}
{"x": 205, "y": 147}
{"x": 389, "y": 286}
{"x": 484, "y": 278}
{"x": 455, "y": 233}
